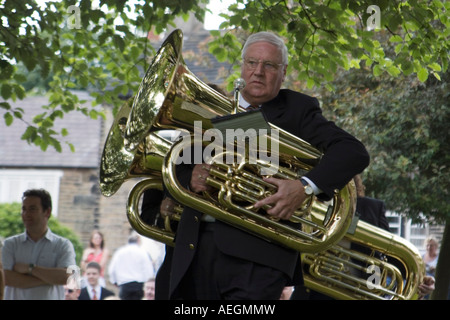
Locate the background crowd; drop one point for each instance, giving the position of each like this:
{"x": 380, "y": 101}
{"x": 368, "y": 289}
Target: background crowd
{"x": 130, "y": 270}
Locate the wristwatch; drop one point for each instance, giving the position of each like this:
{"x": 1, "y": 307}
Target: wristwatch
{"x": 308, "y": 189}
{"x": 30, "y": 268}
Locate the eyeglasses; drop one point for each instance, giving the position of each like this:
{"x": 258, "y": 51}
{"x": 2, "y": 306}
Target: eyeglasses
{"x": 252, "y": 64}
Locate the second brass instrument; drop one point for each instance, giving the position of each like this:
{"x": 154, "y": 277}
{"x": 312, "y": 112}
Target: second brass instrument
{"x": 369, "y": 264}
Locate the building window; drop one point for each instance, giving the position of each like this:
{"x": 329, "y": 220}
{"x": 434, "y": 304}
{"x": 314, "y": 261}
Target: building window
{"x": 395, "y": 223}
{"x": 417, "y": 234}
{"x": 414, "y": 233}
{"x": 14, "y": 182}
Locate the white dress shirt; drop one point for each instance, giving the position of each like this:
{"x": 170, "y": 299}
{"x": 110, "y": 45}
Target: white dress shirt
{"x": 130, "y": 263}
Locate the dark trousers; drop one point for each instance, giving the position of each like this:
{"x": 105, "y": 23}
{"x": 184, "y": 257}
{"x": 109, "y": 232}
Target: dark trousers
{"x": 131, "y": 291}
{"x": 216, "y": 276}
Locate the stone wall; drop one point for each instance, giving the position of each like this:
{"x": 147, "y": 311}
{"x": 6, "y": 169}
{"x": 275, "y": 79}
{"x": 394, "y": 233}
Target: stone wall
{"x": 79, "y": 201}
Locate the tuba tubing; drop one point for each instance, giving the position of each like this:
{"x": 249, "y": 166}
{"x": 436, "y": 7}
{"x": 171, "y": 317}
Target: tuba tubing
{"x": 330, "y": 271}
{"x": 322, "y": 229}
{"x": 162, "y": 234}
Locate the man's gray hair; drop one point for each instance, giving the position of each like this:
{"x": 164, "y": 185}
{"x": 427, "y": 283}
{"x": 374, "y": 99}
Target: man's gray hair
{"x": 270, "y": 37}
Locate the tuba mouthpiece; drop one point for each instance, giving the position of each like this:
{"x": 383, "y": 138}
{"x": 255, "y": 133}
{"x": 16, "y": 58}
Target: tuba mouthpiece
{"x": 239, "y": 84}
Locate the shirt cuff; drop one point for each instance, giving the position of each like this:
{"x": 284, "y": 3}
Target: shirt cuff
{"x": 313, "y": 186}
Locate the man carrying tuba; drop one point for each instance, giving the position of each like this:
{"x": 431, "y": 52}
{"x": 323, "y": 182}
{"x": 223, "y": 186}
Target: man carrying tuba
{"x": 214, "y": 260}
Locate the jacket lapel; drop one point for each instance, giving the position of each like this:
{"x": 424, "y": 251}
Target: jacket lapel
{"x": 273, "y": 109}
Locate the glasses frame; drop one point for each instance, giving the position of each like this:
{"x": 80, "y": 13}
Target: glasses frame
{"x": 268, "y": 66}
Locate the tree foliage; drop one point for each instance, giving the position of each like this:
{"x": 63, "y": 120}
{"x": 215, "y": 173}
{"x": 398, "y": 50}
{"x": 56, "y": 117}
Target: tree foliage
{"x": 100, "y": 49}
{"x": 105, "y": 49}
{"x": 325, "y": 35}
{"x": 403, "y": 123}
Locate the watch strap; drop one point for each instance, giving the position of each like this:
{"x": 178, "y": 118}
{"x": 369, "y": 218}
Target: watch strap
{"x": 30, "y": 268}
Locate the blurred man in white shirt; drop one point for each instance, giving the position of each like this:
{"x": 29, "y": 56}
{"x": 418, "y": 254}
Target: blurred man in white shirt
{"x": 130, "y": 267}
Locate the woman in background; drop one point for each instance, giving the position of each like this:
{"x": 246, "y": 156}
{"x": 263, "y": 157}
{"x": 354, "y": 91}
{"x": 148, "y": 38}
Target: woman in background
{"x": 96, "y": 252}
{"x": 431, "y": 256}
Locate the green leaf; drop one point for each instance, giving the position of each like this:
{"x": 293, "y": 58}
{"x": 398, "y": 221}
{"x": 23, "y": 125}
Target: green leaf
{"x": 18, "y": 114}
{"x": 8, "y": 118}
{"x": 57, "y": 145}
{"x": 422, "y": 74}
{"x": 310, "y": 83}
{"x": 119, "y": 43}
{"x": 30, "y": 134}
{"x": 435, "y": 67}
{"x": 407, "y": 67}
{"x": 5, "y": 105}
{"x": 6, "y": 91}
{"x": 393, "y": 71}
{"x": 436, "y": 75}
{"x": 377, "y": 70}
{"x": 71, "y": 146}
{"x": 395, "y": 38}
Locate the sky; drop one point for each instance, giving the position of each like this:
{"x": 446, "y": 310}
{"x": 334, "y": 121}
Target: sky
{"x": 212, "y": 21}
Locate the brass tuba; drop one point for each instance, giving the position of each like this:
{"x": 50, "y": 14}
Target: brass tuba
{"x": 171, "y": 97}
{"x": 368, "y": 264}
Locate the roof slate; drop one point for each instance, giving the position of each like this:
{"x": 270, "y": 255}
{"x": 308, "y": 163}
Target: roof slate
{"x": 84, "y": 134}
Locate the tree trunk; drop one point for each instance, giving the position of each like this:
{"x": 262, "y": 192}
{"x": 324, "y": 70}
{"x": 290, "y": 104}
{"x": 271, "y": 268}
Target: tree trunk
{"x": 443, "y": 267}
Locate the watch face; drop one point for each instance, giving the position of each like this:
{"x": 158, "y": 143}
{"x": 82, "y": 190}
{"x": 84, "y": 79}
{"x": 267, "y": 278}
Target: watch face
{"x": 309, "y": 190}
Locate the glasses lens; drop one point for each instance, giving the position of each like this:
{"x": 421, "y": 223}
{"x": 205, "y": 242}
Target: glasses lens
{"x": 252, "y": 64}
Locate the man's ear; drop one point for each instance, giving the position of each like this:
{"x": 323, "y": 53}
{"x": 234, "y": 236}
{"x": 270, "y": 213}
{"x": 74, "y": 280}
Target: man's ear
{"x": 284, "y": 73}
{"x": 48, "y": 213}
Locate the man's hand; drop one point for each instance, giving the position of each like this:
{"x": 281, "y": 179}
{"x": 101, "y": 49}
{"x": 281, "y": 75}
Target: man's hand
{"x": 288, "y": 198}
{"x": 167, "y": 207}
{"x": 426, "y": 287}
{"x": 198, "y": 179}
{"x": 21, "y": 267}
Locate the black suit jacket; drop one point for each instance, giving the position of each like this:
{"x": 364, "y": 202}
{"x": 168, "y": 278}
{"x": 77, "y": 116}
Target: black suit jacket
{"x": 104, "y": 293}
{"x": 344, "y": 157}
{"x": 372, "y": 211}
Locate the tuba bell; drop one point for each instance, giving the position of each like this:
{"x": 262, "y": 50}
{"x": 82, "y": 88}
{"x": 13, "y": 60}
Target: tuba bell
{"x": 170, "y": 97}
{"x": 119, "y": 164}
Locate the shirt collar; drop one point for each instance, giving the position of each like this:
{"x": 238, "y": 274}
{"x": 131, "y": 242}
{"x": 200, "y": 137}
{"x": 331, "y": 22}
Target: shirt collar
{"x": 97, "y": 288}
{"x": 48, "y": 235}
{"x": 244, "y": 104}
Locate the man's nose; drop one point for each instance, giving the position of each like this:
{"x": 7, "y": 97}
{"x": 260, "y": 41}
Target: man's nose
{"x": 259, "y": 68}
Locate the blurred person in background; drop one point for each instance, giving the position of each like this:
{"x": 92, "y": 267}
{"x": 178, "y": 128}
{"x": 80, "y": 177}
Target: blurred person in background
{"x": 94, "y": 290}
{"x": 130, "y": 268}
{"x": 96, "y": 251}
